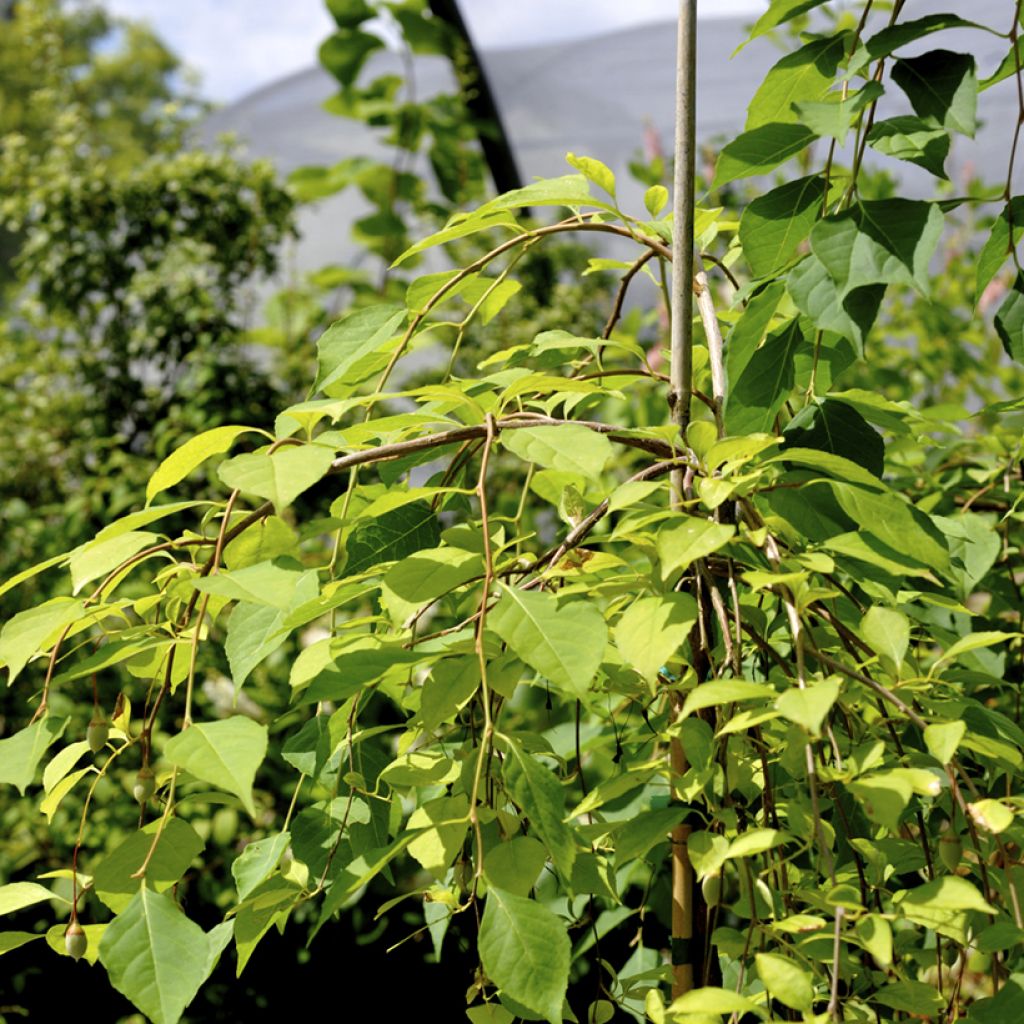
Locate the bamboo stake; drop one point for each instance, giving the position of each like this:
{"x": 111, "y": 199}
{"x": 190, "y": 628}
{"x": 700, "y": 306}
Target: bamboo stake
{"x": 681, "y": 384}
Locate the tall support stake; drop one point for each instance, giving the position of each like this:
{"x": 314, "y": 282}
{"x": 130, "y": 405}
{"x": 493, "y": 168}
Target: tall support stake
{"x": 681, "y": 384}
{"x": 479, "y": 100}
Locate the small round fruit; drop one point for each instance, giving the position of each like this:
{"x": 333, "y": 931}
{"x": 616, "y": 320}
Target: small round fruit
{"x": 950, "y": 851}
{"x": 145, "y": 785}
{"x": 98, "y": 733}
{"x": 75, "y": 940}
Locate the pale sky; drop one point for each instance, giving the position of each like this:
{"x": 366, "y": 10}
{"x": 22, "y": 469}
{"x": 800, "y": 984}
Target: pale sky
{"x": 240, "y": 45}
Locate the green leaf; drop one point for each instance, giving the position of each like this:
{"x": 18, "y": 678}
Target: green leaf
{"x": 156, "y": 957}
{"x": 192, "y": 454}
{"x": 941, "y": 85}
{"x": 422, "y": 33}
{"x": 764, "y": 385}
{"x": 973, "y": 642}
{"x": 724, "y": 691}
{"x": 760, "y": 151}
{"x": 710, "y": 1001}
{"x": 391, "y": 536}
{"x": 569, "y": 190}
{"x": 921, "y": 141}
{"x": 315, "y": 833}
{"x": 536, "y": 789}
{"x": 357, "y": 873}
{"x": 254, "y": 631}
{"x": 951, "y": 892}
{"x": 309, "y": 750}
{"x": 829, "y": 425}
{"x": 225, "y": 754}
{"x": 449, "y": 687}
{"x": 942, "y": 739}
{"x": 516, "y": 865}
{"x": 564, "y": 642}
{"x": 895, "y": 523}
{"x": 144, "y": 517}
{"x": 806, "y": 73}
{"x": 525, "y": 951}
{"x": 264, "y": 584}
{"x": 425, "y": 576}
{"x": 756, "y": 841}
{"x": 809, "y": 706}
{"x": 49, "y": 804}
{"x": 1009, "y": 320}
{"x": 912, "y": 997}
{"x": 343, "y": 348}
{"x": 887, "y": 632}
{"x": 849, "y": 313}
{"x": 350, "y": 13}
{"x": 890, "y": 39}
{"x": 99, "y": 557}
{"x": 707, "y": 852}
{"x": 595, "y": 171}
{"x": 178, "y": 846}
{"x": 875, "y": 934}
{"x": 35, "y": 630}
{"x": 280, "y": 477}
{"x": 834, "y": 117}
{"x": 20, "y": 754}
{"x": 655, "y": 199}
{"x": 268, "y": 904}
{"x": 18, "y": 895}
{"x": 883, "y": 796}
{"x": 833, "y": 465}
{"x": 991, "y": 815}
{"x": 114, "y": 652}
{"x": 998, "y": 246}
{"x": 773, "y": 225}
{"x": 14, "y": 940}
{"x": 779, "y": 12}
{"x": 567, "y": 447}
{"x": 1007, "y": 66}
{"x": 462, "y": 225}
{"x": 264, "y": 541}
{"x": 653, "y": 629}
{"x": 791, "y": 984}
{"x": 445, "y": 822}
{"x": 749, "y": 330}
{"x": 257, "y": 861}
{"x": 884, "y": 241}
{"x": 18, "y": 578}
{"x": 634, "y": 838}
{"x": 682, "y": 543}
{"x": 344, "y": 53}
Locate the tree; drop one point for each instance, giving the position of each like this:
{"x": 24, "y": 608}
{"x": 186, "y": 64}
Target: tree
{"x": 125, "y": 313}
{"x": 542, "y": 625}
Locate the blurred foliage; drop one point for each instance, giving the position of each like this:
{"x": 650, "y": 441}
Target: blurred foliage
{"x": 131, "y": 93}
{"x": 125, "y": 311}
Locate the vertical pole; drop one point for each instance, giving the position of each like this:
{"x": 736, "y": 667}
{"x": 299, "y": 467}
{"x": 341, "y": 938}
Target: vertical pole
{"x": 682, "y": 215}
{"x": 479, "y": 100}
{"x": 681, "y": 385}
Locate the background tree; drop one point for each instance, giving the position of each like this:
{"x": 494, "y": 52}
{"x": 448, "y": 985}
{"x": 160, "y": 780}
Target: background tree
{"x": 125, "y": 307}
